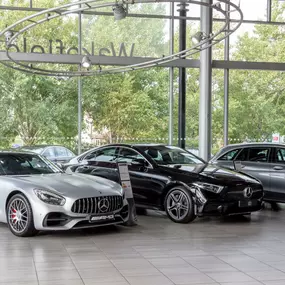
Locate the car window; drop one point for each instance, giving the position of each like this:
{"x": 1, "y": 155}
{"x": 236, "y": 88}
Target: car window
{"x": 69, "y": 153}
{"x": 129, "y": 155}
{"x": 105, "y": 154}
{"x": 49, "y": 152}
{"x": 280, "y": 155}
{"x": 259, "y": 154}
{"x": 230, "y": 155}
{"x": 242, "y": 156}
{"x": 22, "y": 164}
{"x": 60, "y": 151}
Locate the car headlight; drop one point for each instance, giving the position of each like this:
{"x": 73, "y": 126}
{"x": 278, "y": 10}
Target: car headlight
{"x": 209, "y": 187}
{"x": 49, "y": 197}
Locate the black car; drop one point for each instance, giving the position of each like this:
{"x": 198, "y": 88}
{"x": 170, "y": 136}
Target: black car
{"x": 55, "y": 153}
{"x": 172, "y": 179}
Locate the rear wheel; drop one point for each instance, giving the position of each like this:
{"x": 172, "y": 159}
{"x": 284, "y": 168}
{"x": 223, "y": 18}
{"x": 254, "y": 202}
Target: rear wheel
{"x": 20, "y": 216}
{"x": 179, "y": 205}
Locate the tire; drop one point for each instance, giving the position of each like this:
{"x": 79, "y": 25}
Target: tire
{"x": 179, "y": 205}
{"x": 20, "y": 222}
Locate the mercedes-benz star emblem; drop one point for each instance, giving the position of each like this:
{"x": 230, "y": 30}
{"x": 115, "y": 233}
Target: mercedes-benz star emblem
{"x": 103, "y": 205}
{"x": 247, "y": 192}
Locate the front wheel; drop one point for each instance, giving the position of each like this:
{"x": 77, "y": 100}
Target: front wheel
{"x": 20, "y": 216}
{"x": 179, "y": 205}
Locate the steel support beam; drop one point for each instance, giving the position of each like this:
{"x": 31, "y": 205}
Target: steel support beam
{"x": 171, "y": 77}
{"x": 182, "y": 79}
{"x": 269, "y": 10}
{"x": 205, "y": 107}
{"x": 116, "y": 60}
{"x": 132, "y": 15}
{"x": 226, "y": 87}
{"x": 79, "y": 123}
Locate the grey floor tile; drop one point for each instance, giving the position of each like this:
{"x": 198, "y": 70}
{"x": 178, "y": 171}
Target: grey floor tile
{"x": 98, "y": 272}
{"x": 190, "y": 278}
{"x": 139, "y": 272}
{"x": 168, "y": 262}
{"x": 223, "y": 277}
{"x": 131, "y": 263}
{"x": 61, "y": 282}
{"x": 104, "y": 280}
{"x": 149, "y": 280}
{"x": 168, "y": 271}
{"x": 94, "y": 282}
{"x": 267, "y": 275}
{"x": 243, "y": 283}
{"x": 57, "y": 275}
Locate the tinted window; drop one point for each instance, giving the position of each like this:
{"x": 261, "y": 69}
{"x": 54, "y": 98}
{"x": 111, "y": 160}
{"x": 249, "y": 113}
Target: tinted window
{"x": 258, "y": 154}
{"x": 280, "y": 155}
{"x": 60, "y": 151}
{"x": 106, "y": 154}
{"x": 129, "y": 155}
{"x": 229, "y": 155}
{"x": 242, "y": 156}
{"x": 70, "y": 153}
{"x": 22, "y": 164}
{"x": 49, "y": 152}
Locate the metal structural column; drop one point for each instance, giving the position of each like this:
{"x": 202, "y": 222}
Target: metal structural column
{"x": 205, "y": 107}
{"x": 182, "y": 78}
{"x": 226, "y": 87}
{"x": 79, "y": 123}
{"x": 171, "y": 76}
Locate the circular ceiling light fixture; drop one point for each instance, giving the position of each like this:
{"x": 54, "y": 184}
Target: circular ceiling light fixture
{"x": 86, "y": 62}
{"x": 120, "y": 12}
{"x": 200, "y": 43}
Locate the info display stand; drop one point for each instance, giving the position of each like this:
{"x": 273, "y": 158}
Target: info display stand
{"x": 127, "y": 187}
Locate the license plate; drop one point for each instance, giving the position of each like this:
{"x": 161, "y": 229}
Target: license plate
{"x": 249, "y": 203}
{"x": 100, "y": 218}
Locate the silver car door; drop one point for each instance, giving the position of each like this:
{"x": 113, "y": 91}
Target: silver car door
{"x": 277, "y": 190}
{"x": 255, "y": 161}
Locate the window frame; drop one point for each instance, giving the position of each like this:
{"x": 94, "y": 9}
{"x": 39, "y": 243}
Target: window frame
{"x": 134, "y": 150}
{"x": 100, "y": 149}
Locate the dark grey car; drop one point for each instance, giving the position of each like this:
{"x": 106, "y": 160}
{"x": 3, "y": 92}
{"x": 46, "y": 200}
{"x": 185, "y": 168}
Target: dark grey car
{"x": 264, "y": 161}
{"x": 55, "y": 153}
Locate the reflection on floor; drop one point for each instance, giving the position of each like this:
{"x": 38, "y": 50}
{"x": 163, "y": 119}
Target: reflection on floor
{"x": 227, "y": 251}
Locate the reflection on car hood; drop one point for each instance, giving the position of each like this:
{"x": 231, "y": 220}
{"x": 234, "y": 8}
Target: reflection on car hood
{"x": 211, "y": 171}
{"x": 70, "y": 185}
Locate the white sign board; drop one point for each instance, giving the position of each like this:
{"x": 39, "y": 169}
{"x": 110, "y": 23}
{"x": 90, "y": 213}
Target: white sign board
{"x": 125, "y": 180}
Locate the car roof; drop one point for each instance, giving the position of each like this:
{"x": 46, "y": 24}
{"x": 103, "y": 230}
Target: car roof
{"x": 40, "y": 146}
{"x": 16, "y": 151}
{"x": 250, "y": 144}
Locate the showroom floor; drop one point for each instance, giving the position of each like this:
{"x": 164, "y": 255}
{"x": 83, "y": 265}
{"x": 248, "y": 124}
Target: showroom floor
{"x": 231, "y": 251}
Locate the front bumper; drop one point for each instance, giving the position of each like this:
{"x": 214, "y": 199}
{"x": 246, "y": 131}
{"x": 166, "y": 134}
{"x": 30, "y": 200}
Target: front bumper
{"x": 58, "y": 218}
{"x": 212, "y": 208}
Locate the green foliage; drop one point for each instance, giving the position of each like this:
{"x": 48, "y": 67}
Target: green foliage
{"x": 135, "y": 104}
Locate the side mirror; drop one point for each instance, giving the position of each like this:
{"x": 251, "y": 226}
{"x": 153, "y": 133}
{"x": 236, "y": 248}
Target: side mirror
{"x": 140, "y": 162}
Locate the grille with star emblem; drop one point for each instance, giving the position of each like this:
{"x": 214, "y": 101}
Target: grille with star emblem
{"x": 97, "y": 205}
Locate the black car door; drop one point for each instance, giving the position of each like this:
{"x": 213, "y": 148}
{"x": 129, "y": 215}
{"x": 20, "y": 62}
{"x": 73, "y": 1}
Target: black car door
{"x": 147, "y": 184}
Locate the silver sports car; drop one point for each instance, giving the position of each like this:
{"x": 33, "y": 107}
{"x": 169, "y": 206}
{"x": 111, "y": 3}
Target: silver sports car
{"x": 36, "y": 195}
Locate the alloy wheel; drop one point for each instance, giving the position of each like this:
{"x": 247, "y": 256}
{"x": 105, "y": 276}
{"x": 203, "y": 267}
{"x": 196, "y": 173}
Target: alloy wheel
{"x": 177, "y": 205}
{"x": 18, "y": 215}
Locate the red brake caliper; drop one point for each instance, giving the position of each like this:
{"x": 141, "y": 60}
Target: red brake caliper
{"x": 14, "y": 215}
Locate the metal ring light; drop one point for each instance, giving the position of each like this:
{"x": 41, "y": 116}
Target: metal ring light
{"x": 83, "y": 5}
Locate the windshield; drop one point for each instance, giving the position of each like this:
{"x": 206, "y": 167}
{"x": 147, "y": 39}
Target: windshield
{"x": 25, "y": 164}
{"x": 167, "y": 155}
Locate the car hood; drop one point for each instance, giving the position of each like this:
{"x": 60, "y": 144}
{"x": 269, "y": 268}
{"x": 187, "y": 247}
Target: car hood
{"x": 70, "y": 185}
{"x": 215, "y": 174}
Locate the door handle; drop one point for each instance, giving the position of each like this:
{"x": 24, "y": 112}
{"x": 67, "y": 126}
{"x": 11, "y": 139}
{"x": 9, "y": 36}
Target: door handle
{"x": 278, "y": 168}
